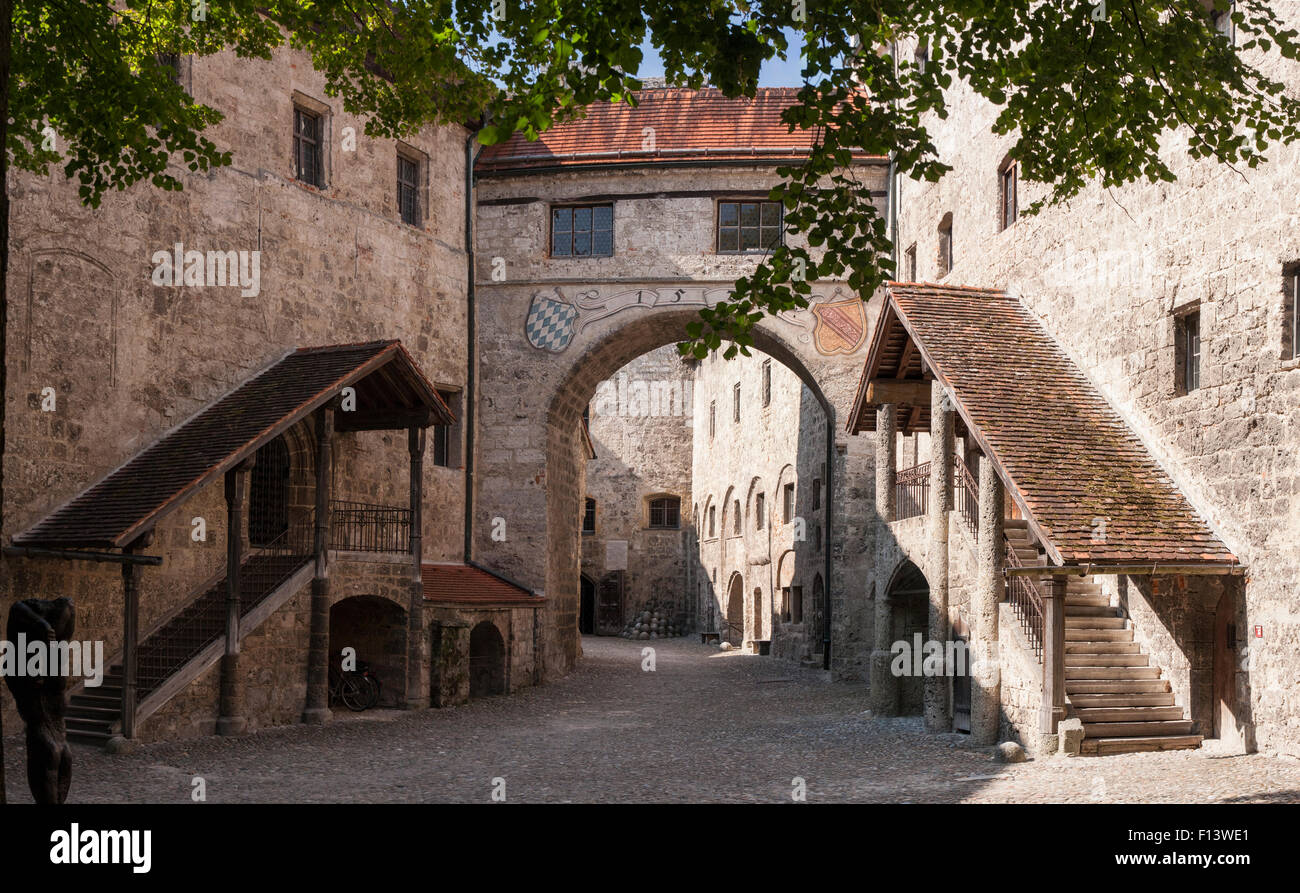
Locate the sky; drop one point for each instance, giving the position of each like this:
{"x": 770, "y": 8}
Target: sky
{"x": 775, "y": 72}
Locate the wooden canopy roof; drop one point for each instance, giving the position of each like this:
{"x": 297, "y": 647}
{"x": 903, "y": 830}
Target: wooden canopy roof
{"x": 1065, "y": 455}
{"x": 391, "y": 392}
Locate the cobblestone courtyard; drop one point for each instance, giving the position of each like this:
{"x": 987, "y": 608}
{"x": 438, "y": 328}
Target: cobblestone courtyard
{"x": 705, "y": 726}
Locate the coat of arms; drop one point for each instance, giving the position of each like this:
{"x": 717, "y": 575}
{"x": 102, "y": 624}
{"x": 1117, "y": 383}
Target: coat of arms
{"x": 550, "y": 323}
{"x": 841, "y": 326}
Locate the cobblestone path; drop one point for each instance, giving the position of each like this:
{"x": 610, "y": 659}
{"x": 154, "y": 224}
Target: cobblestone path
{"x": 705, "y": 726}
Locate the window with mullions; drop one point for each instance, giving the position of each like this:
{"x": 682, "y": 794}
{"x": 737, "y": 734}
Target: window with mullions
{"x": 665, "y": 512}
{"x": 748, "y": 226}
{"x": 408, "y": 189}
{"x": 307, "y": 155}
{"x": 582, "y": 231}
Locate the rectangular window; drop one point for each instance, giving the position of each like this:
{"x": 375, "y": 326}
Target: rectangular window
{"x": 1223, "y": 23}
{"x": 713, "y": 530}
{"x": 713, "y": 417}
{"x": 767, "y": 382}
{"x": 172, "y": 62}
{"x": 945, "y": 246}
{"x": 665, "y": 512}
{"x": 1291, "y": 312}
{"x": 909, "y": 262}
{"x": 446, "y": 438}
{"x": 1295, "y": 316}
{"x": 408, "y": 190}
{"x": 759, "y": 511}
{"x": 785, "y": 604}
{"x": 582, "y": 231}
{"x": 1010, "y": 211}
{"x": 748, "y": 226}
{"x": 589, "y": 516}
{"x": 308, "y": 137}
{"x": 817, "y": 538}
{"x": 817, "y": 494}
{"x": 1187, "y": 352}
{"x": 735, "y": 523}
{"x": 735, "y": 402}
{"x": 787, "y": 503}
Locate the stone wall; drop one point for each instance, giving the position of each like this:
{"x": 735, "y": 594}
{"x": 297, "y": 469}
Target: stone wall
{"x": 1108, "y": 274}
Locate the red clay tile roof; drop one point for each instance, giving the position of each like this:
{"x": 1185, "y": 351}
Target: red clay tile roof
{"x": 1066, "y": 455}
{"x": 689, "y": 125}
{"x": 464, "y": 584}
{"x": 132, "y": 499}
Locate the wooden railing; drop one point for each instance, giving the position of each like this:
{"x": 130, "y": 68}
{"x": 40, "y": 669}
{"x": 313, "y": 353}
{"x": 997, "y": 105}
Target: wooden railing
{"x": 361, "y": 527}
{"x": 912, "y": 491}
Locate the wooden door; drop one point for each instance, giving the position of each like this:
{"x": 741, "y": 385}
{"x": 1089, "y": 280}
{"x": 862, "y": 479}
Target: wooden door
{"x": 609, "y": 604}
{"x": 1225, "y": 671}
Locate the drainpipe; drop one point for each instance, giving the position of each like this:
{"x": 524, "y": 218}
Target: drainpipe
{"x": 471, "y": 153}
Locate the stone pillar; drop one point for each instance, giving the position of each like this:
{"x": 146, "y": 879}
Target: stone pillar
{"x": 417, "y": 679}
{"x": 938, "y": 712}
{"x": 1052, "y": 710}
{"x": 451, "y": 661}
{"x": 317, "y": 710}
{"x": 131, "y": 636}
{"x": 884, "y": 685}
{"x": 231, "y": 720}
{"x": 986, "y": 670}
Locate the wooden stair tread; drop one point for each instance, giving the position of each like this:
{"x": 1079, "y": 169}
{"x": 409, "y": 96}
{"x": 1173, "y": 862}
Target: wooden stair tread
{"x": 1139, "y": 744}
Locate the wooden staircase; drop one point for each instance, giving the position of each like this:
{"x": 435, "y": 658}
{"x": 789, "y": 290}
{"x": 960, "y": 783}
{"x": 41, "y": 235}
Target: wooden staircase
{"x": 1110, "y": 684}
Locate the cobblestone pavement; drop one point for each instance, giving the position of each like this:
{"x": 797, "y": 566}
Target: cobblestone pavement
{"x": 705, "y": 726}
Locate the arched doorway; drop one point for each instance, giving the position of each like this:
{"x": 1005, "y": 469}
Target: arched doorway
{"x": 909, "y": 604}
{"x": 735, "y": 631}
{"x": 375, "y": 629}
{"x": 268, "y": 493}
{"x": 487, "y": 661}
{"x": 587, "y": 617}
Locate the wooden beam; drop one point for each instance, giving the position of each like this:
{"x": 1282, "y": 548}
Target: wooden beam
{"x": 383, "y": 421}
{"x": 908, "y": 347}
{"x": 1128, "y": 570}
{"x": 889, "y": 390}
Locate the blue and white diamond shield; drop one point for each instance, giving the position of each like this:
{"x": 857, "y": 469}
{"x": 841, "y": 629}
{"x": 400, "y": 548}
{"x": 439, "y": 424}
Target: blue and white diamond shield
{"x": 550, "y": 323}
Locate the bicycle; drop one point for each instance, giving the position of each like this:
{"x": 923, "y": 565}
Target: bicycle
{"x": 353, "y": 689}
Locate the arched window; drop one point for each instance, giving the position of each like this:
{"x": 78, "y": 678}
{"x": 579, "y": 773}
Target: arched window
{"x": 268, "y": 497}
{"x": 589, "y": 516}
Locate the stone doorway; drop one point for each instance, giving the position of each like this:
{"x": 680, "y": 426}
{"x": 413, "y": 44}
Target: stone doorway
{"x": 735, "y": 631}
{"x": 587, "y": 614}
{"x": 375, "y": 628}
{"x": 487, "y": 661}
{"x": 909, "y": 603}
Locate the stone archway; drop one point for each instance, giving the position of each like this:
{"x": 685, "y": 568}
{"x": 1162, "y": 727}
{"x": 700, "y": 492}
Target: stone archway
{"x": 487, "y": 661}
{"x": 735, "y": 631}
{"x": 375, "y": 628}
{"x": 908, "y": 594}
{"x": 530, "y": 449}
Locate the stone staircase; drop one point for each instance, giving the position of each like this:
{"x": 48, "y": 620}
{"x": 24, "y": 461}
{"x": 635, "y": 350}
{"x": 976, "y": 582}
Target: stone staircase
{"x": 1110, "y": 683}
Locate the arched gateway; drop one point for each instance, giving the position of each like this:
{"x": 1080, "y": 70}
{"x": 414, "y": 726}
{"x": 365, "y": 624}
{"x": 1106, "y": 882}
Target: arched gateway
{"x": 582, "y": 265}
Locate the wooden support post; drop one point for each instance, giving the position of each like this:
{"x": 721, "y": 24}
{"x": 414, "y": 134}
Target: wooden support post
{"x": 131, "y": 637}
{"x": 417, "y": 676}
{"x": 938, "y": 712}
{"x": 1052, "y": 710}
{"x": 231, "y": 720}
{"x": 986, "y": 669}
{"x": 317, "y": 709}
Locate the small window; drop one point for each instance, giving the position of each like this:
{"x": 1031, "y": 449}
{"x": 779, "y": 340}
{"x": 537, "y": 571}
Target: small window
{"x": 767, "y": 382}
{"x": 796, "y": 604}
{"x": 713, "y": 418}
{"x": 760, "y": 502}
{"x": 945, "y": 246}
{"x": 735, "y": 402}
{"x": 446, "y": 438}
{"x": 713, "y": 530}
{"x": 1010, "y": 210}
{"x": 909, "y": 263}
{"x": 1221, "y": 20}
{"x": 735, "y": 523}
{"x": 1291, "y": 312}
{"x": 589, "y": 516}
{"x": 666, "y": 512}
{"x": 787, "y": 503}
{"x": 408, "y": 189}
{"x": 817, "y": 539}
{"x": 921, "y": 55}
{"x": 308, "y": 139}
{"x": 582, "y": 231}
{"x": 748, "y": 226}
{"x": 174, "y": 63}
{"x": 1187, "y": 352}
{"x": 817, "y": 494}
{"x": 785, "y": 604}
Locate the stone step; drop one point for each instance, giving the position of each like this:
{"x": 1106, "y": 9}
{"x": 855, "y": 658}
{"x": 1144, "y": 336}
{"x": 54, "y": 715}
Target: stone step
{"x": 1102, "y": 648}
{"x": 1095, "y": 622}
{"x": 1086, "y": 601}
{"x": 96, "y": 738}
{"x": 1137, "y": 729}
{"x": 1089, "y": 611}
{"x": 1015, "y": 524}
{"x": 1118, "y": 674}
{"x": 1109, "y": 715}
{"x": 1152, "y": 699}
{"x": 1115, "y": 686}
{"x": 1098, "y": 635}
{"x": 1106, "y": 660}
{"x": 1140, "y": 744}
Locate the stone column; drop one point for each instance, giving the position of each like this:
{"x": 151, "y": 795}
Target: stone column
{"x": 938, "y": 712}
{"x": 1052, "y": 710}
{"x": 884, "y": 685}
{"x": 452, "y": 662}
{"x": 231, "y": 720}
{"x": 417, "y": 679}
{"x": 986, "y": 670}
{"x": 317, "y": 709}
{"x": 131, "y": 637}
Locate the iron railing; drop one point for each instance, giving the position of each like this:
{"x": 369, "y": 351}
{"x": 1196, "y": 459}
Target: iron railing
{"x": 1027, "y": 601}
{"x": 912, "y": 491}
{"x": 966, "y": 494}
{"x": 203, "y": 621}
{"x": 361, "y": 527}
